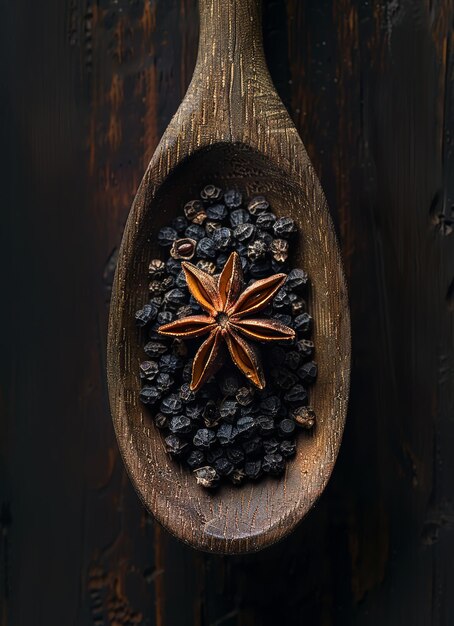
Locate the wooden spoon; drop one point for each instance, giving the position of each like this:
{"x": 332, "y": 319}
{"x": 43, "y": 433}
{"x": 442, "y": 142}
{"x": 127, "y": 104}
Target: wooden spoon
{"x": 231, "y": 130}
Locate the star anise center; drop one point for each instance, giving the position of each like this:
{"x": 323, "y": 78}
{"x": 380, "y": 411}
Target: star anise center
{"x": 222, "y": 319}
{"x": 229, "y": 309}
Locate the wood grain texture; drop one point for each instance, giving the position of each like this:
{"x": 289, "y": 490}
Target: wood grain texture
{"x": 231, "y": 129}
{"x": 370, "y": 89}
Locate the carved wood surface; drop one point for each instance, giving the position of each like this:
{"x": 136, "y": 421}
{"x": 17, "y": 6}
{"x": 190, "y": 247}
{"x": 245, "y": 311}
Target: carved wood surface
{"x": 236, "y": 132}
{"x": 369, "y": 87}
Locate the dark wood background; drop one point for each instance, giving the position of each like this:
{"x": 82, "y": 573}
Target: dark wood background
{"x": 87, "y": 88}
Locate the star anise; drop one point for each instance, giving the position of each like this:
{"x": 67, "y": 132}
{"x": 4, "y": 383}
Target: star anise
{"x": 228, "y": 318}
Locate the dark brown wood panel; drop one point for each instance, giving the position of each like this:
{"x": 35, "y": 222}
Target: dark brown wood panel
{"x": 88, "y": 89}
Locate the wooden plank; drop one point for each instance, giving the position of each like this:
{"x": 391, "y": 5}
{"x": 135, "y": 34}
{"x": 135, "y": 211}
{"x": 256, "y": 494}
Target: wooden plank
{"x": 371, "y": 95}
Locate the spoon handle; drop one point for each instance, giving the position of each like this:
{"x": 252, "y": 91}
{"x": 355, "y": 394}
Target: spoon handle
{"x": 231, "y": 35}
{"x": 231, "y": 85}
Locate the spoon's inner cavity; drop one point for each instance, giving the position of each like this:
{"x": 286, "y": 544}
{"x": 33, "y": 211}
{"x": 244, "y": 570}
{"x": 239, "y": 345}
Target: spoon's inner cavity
{"x": 231, "y": 407}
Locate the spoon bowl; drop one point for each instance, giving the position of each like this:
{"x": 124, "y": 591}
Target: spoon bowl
{"x": 232, "y": 131}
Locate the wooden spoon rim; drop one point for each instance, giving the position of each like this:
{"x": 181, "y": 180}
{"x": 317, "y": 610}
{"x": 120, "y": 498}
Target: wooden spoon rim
{"x": 181, "y": 517}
